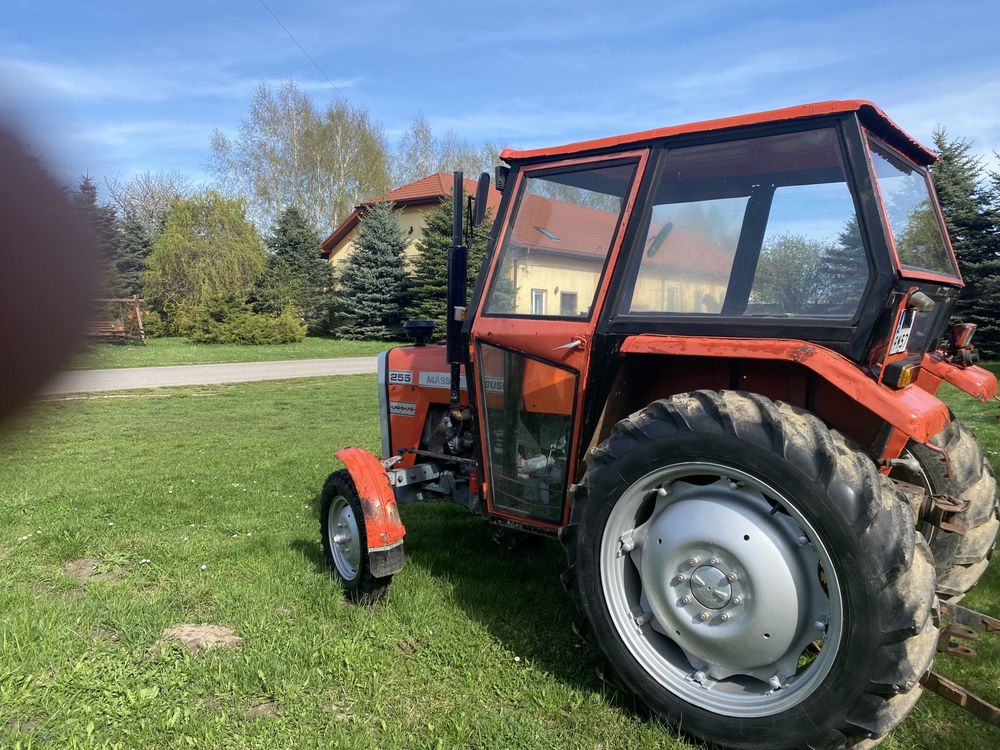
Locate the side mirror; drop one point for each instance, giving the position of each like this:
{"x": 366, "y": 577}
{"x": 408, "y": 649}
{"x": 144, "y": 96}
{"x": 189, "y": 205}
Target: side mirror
{"x": 482, "y": 195}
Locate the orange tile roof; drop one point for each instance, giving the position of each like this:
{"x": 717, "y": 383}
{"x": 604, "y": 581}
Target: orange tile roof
{"x": 430, "y": 189}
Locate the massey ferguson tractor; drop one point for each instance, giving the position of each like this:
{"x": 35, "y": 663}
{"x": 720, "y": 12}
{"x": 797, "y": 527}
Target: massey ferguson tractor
{"x": 706, "y": 357}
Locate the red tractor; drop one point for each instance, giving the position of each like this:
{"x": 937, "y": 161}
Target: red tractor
{"x": 706, "y": 357}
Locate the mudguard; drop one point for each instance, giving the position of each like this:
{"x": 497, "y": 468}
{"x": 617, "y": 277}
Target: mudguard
{"x": 384, "y": 529}
{"x": 911, "y": 410}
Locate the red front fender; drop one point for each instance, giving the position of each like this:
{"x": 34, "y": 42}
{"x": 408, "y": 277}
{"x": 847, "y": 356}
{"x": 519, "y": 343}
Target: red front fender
{"x": 378, "y": 501}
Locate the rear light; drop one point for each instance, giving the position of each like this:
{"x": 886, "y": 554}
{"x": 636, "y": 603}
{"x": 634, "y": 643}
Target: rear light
{"x": 902, "y": 372}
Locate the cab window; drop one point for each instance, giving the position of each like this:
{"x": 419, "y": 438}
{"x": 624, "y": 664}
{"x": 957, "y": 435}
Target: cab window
{"x": 758, "y": 227}
{"x": 558, "y": 241}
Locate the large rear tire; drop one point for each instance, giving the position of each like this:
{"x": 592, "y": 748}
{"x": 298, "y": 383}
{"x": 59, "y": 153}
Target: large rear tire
{"x": 345, "y": 542}
{"x": 749, "y": 576}
{"x": 961, "y": 560}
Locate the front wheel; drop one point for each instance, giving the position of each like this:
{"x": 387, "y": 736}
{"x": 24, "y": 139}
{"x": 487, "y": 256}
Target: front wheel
{"x": 345, "y": 545}
{"x": 750, "y": 576}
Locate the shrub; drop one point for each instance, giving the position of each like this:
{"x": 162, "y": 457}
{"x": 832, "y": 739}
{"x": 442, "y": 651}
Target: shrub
{"x": 231, "y": 321}
{"x": 152, "y": 324}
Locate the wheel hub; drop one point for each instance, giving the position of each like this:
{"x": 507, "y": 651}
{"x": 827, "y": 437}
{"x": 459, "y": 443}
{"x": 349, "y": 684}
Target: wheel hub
{"x": 345, "y": 538}
{"x": 710, "y": 586}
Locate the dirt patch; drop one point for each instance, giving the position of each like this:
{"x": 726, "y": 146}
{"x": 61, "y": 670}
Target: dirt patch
{"x": 92, "y": 569}
{"x": 199, "y": 637}
{"x": 104, "y": 634}
{"x": 408, "y": 647}
{"x": 212, "y": 703}
{"x": 22, "y": 726}
{"x": 268, "y": 707}
{"x": 339, "y": 712}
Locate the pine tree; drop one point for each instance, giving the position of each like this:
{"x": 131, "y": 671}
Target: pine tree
{"x": 297, "y": 276}
{"x": 972, "y": 215}
{"x": 374, "y": 287}
{"x": 430, "y": 271}
{"x": 103, "y": 221}
{"x": 133, "y": 249}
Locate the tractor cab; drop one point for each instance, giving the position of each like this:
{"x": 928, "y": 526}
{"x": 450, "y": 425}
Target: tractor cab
{"x": 706, "y": 357}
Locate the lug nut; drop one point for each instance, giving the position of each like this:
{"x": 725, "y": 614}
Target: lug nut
{"x": 681, "y": 578}
{"x": 820, "y": 625}
{"x": 703, "y": 616}
{"x": 685, "y": 600}
{"x": 738, "y": 600}
{"x": 713, "y": 561}
{"x": 732, "y": 576}
{"x": 700, "y": 677}
{"x": 643, "y": 619}
{"x": 774, "y": 682}
{"x": 803, "y": 541}
{"x": 692, "y": 561}
{"x": 726, "y": 617}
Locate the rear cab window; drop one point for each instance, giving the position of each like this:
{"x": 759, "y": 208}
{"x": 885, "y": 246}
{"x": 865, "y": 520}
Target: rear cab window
{"x": 909, "y": 208}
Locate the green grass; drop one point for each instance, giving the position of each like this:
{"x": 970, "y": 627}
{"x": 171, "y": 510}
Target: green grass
{"x": 180, "y": 351}
{"x": 473, "y": 647}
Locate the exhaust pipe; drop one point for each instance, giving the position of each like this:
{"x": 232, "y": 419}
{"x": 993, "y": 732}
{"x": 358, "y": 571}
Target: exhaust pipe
{"x": 458, "y": 262}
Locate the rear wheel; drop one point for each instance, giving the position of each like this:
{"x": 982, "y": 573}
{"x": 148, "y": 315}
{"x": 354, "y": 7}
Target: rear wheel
{"x": 750, "y": 576}
{"x": 961, "y": 560}
{"x": 345, "y": 545}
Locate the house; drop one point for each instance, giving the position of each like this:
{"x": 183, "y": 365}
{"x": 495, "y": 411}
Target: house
{"x": 413, "y": 202}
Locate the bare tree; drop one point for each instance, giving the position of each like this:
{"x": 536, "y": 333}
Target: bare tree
{"x": 147, "y": 197}
{"x": 420, "y": 153}
{"x": 288, "y": 153}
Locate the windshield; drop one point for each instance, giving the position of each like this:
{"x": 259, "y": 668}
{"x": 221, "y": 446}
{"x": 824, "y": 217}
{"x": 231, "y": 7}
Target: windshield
{"x": 910, "y": 211}
{"x": 559, "y": 240}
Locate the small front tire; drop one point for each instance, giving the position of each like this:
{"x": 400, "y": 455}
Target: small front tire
{"x": 345, "y": 546}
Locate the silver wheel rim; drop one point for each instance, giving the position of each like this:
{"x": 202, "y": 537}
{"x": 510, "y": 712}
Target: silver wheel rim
{"x": 721, "y": 590}
{"x": 345, "y": 538}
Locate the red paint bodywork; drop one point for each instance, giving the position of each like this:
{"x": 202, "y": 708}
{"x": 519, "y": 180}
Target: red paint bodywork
{"x": 429, "y": 363}
{"x": 910, "y": 410}
{"x": 871, "y": 114}
{"x": 378, "y": 502}
{"x": 976, "y": 381}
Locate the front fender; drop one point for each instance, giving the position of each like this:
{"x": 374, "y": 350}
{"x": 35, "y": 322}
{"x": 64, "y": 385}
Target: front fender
{"x": 383, "y": 526}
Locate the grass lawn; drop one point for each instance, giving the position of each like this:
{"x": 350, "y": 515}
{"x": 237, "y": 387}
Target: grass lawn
{"x": 180, "y": 351}
{"x": 198, "y": 505}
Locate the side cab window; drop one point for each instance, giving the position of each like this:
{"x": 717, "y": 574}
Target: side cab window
{"x": 757, "y": 227}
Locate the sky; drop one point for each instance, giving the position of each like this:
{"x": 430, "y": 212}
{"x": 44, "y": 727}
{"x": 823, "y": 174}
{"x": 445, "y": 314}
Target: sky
{"x": 115, "y": 88}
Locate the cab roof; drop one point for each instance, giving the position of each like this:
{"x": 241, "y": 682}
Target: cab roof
{"x": 871, "y": 117}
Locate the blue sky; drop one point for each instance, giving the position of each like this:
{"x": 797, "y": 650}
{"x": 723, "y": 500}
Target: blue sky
{"x": 115, "y": 88}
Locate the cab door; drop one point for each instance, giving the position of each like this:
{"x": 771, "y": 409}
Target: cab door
{"x": 531, "y": 335}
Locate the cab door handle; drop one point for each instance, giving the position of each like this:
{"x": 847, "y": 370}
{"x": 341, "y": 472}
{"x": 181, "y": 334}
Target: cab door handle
{"x": 574, "y": 344}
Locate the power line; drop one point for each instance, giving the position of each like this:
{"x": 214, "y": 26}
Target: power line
{"x": 308, "y": 56}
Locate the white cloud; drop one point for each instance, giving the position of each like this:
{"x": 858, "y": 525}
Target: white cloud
{"x": 126, "y": 82}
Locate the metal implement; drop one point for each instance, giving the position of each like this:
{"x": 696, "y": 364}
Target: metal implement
{"x": 964, "y": 626}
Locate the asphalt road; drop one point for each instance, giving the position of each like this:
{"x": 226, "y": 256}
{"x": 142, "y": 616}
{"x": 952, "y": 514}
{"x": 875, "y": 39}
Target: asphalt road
{"x": 86, "y": 381}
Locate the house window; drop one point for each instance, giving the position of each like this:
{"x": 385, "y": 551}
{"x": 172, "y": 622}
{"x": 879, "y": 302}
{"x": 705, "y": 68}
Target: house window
{"x": 538, "y": 302}
{"x": 568, "y": 304}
